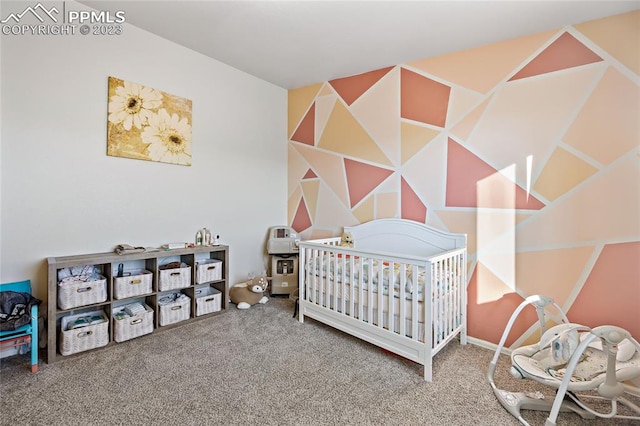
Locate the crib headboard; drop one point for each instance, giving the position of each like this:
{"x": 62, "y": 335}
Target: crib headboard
{"x": 404, "y": 236}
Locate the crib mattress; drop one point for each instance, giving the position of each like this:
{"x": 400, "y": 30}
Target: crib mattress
{"x": 335, "y": 304}
{"x": 325, "y": 297}
{"x": 324, "y": 293}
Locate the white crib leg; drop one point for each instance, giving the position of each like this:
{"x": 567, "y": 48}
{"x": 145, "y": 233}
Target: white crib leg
{"x": 427, "y": 370}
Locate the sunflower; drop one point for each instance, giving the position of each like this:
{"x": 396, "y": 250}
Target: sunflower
{"x": 169, "y": 138}
{"x": 132, "y": 105}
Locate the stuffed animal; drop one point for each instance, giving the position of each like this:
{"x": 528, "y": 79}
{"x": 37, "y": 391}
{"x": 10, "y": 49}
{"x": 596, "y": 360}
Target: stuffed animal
{"x": 346, "y": 240}
{"x": 247, "y": 294}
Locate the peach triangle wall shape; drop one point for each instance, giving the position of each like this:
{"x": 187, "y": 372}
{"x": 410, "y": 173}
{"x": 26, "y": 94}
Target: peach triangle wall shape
{"x": 324, "y": 107}
{"x": 292, "y": 203}
{"x": 298, "y": 102}
{"x": 328, "y": 167}
{"x": 413, "y": 138}
{"x": 351, "y": 88}
{"x": 612, "y": 34}
{"x": 301, "y": 220}
{"x": 412, "y": 207}
{"x": 305, "y": 131}
{"x": 463, "y": 128}
{"x": 482, "y": 68}
{"x": 378, "y": 111}
{"x": 618, "y": 302}
{"x": 297, "y": 167}
{"x": 465, "y": 170}
{"x": 489, "y": 317}
{"x": 310, "y": 175}
{"x": 343, "y": 134}
{"x": 423, "y": 99}
{"x": 332, "y": 212}
{"x": 565, "y": 52}
{"x": 310, "y": 190}
{"x": 362, "y": 179}
{"x": 582, "y": 216}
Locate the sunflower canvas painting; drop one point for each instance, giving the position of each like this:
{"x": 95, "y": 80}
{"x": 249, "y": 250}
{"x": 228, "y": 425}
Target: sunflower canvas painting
{"x": 148, "y": 124}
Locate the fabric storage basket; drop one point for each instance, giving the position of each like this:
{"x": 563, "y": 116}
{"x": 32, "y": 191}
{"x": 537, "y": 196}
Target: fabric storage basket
{"x": 134, "y": 284}
{"x": 173, "y": 312}
{"x": 76, "y": 291}
{"x": 83, "y": 338}
{"x": 208, "y": 300}
{"x": 132, "y": 326}
{"x": 208, "y": 270}
{"x": 170, "y": 279}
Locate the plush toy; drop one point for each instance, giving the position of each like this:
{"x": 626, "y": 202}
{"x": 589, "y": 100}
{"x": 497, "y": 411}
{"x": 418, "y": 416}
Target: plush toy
{"x": 346, "y": 240}
{"x": 248, "y": 294}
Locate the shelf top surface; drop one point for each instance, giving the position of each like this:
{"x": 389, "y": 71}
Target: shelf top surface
{"x": 149, "y": 253}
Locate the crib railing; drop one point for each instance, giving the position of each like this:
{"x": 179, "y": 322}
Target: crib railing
{"x": 449, "y": 301}
{"x": 388, "y": 291}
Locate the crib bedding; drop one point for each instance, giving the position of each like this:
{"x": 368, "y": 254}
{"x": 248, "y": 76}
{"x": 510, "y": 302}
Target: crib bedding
{"x": 328, "y": 271}
{"x": 330, "y": 265}
{"x": 327, "y": 298}
{"x": 372, "y": 318}
{"x": 326, "y": 295}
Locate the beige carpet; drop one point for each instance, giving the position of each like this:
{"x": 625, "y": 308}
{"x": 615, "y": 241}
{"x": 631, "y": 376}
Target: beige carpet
{"x": 259, "y": 366}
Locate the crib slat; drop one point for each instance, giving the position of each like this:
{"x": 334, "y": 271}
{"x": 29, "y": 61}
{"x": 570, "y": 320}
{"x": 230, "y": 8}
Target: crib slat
{"x": 352, "y": 288}
{"x": 339, "y": 279}
{"x": 429, "y": 298}
{"x": 313, "y": 279}
{"x": 448, "y": 279}
{"x": 403, "y": 298}
{"x": 370, "y": 292}
{"x": 326, "y": 283}
{"x": 380, "y": 290}
{"x": 442, "y": 319}
{"x": 326, "y": 267}
{"x": 458, "y": 288}
{"x": 434, "y": 304}
{"x": 414, "y": 305}
{"x": 360, "y": 281}
{"x": 446, "y": 296}
{"x": 303, "y": 270}
{"x": 390, "y": 297}
{"x": 318, "y": 283}
{"x": 452, "y": 292}
{"x": 446, "y": 293}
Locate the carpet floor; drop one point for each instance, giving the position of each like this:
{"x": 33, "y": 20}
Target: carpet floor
{"x": 260, "y": 366}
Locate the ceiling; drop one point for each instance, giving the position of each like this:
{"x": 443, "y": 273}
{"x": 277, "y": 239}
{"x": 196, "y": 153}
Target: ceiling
{"x": 296, "y": 43}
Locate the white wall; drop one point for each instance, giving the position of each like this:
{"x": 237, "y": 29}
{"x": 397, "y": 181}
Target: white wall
{"x": 62, "y": 195}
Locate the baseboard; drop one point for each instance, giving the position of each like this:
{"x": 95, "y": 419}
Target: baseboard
{"x": 487, "y": 345}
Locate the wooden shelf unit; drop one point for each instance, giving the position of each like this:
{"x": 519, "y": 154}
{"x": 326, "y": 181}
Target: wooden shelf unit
{"x": 108, "y": 265}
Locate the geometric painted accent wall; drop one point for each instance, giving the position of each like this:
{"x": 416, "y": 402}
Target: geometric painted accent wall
{"x": 530, "y": 146}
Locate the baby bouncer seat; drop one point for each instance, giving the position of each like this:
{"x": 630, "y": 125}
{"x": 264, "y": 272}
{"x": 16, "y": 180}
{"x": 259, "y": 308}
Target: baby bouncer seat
{"x": 571, "y": 358}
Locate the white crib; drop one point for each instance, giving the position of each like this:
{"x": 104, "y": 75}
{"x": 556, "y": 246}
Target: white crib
{"x": 412, "y": 263}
